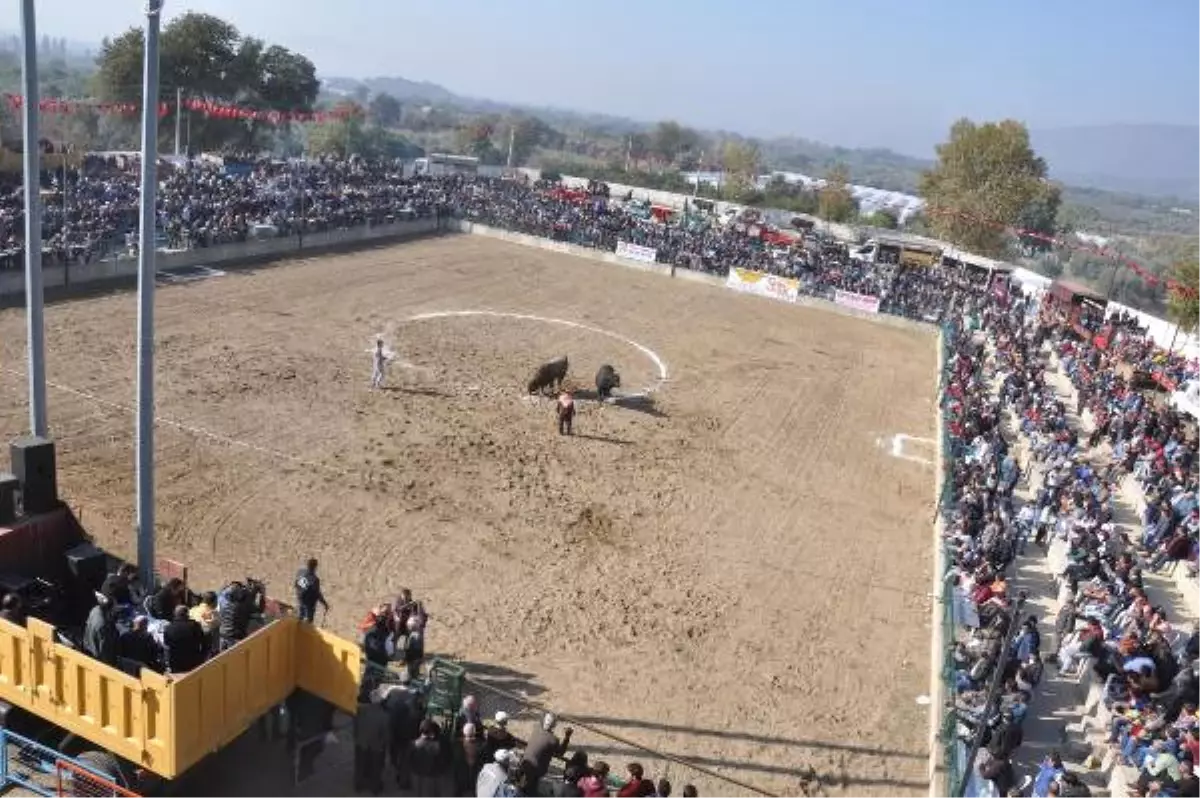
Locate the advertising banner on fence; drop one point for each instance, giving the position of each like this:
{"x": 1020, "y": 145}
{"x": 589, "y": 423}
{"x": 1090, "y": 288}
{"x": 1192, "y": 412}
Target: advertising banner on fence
{"x": 863, "y": 302}
{"x": 636, "y": 252}
{"x": 763, "y": 284}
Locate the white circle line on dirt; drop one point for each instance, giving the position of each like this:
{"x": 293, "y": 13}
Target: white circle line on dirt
{"x": 658, "y": 362}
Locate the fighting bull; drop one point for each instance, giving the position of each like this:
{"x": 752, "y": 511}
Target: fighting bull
{"x": 549, "y": 374}
{"x": 607, "y": 378}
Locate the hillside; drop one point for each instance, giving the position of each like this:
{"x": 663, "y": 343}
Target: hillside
{"x": 1155, "y": 160}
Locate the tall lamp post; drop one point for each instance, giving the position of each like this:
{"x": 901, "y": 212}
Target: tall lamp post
{"x": 35, "y": 326}
{"x": 145, "y": 320}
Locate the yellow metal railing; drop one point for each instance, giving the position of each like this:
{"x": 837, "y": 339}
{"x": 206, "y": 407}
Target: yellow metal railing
{"x": 167, "y": 724}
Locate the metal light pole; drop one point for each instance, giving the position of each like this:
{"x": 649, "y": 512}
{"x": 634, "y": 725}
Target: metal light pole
{"x": 145, "y": 319}
{"x": 35, "y": 326}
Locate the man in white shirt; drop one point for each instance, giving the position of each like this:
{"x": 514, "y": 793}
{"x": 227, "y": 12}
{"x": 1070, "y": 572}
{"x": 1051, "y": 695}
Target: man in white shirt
{"x": 493, "y": 777}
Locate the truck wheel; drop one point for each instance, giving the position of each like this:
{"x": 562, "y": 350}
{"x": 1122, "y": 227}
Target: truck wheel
{"x": 104, "y": 763}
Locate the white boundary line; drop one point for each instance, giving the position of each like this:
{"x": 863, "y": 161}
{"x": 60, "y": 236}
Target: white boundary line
{"x": 190, "y": 429}
{"x": 658, "y": 362}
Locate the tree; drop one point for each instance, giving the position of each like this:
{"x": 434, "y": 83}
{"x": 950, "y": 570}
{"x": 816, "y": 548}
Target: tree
{"x": 1183, "y": 306}
{"x": 986, "y": 175}
{"x": 640, "y": 147}
{"x": 385, "y": 110}
{"x": 1040, "y": 216}
{"x": 740, "y": 160}
{"x": 883, "y": 218}
{"x": 835, "y": 203}
{"x": 341, "y": 137}
{"x": 475, "y": 138}
{"x": 528, "y": 133}
{"x": 669, "y": 140}
{"x": 206, "y": 58}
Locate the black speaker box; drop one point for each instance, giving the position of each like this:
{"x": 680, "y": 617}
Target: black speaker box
{"x": 9, "y": 485}
{"x": 88, "y": 564}
{"x": 33, "y": 463}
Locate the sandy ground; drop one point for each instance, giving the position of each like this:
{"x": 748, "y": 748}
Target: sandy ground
{"x": 735, "y": 573}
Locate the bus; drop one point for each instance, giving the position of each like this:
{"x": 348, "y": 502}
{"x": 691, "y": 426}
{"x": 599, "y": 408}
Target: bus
{"x": 440, "y": 165}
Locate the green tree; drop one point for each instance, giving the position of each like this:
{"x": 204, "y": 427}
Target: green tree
{"x": 835, "y": 203}
{"x": 528, "y": 133}
{"x": 1183, "y": 306}
{"x": 206, "y": 58}
{"x": 341, "y": 137}
{"x": 986, "y": 175}
{"x": 669, "y": 140}
{"x": 1040, "y": 216}
{"x": 882, "y": 218}
{"x": 385, "y": 110}
{"x": 740, "y": 160}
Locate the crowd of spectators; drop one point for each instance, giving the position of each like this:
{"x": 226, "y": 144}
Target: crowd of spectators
{"x": 1105, "y": 621}
{"x": 91, "y": 212}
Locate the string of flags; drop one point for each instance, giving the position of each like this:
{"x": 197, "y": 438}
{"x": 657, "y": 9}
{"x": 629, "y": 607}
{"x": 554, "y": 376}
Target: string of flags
{"x": 207, "y": 108}
{"x": 1148, "y": 277}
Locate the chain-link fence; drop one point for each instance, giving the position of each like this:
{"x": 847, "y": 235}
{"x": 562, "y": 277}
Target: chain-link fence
{"x": 30, "y": 767}
{"x": 951, "y": 754}
{"x": 74, "y": 779}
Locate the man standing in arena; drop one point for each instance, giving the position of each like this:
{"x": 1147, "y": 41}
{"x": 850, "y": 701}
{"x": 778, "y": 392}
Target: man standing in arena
{"x": 308, "y": 592}
{"x": 566, "y": 412}
{"x": 380, "y": 359}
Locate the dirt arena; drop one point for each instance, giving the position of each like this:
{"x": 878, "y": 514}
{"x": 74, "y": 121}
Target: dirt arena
{"x": 734, "y": 571}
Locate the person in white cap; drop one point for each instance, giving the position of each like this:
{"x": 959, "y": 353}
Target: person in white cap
{"x": 498, "y": 737}
{"x": 493, "y": 777}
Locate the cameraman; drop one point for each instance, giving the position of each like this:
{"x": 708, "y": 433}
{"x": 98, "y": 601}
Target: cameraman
{"x": 236, "y": 605}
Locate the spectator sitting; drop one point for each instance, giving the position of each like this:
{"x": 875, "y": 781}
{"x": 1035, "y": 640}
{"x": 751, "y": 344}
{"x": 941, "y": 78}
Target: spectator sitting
{"x": 137, "y": 647}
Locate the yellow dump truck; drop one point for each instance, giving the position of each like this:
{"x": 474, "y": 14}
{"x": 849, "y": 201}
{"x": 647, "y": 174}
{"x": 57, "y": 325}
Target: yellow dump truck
{"x": 159, "y": 724}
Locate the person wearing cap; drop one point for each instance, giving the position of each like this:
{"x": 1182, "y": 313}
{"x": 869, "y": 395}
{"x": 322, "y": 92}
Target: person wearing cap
{"x": 497, "y": 737}
{"x": 493, "y": 777}
{"x": 544, "y": 746}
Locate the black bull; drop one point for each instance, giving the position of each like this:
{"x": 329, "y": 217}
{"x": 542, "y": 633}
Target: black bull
{"x": 552, "y": 373}
{"x": 607, "y": 378}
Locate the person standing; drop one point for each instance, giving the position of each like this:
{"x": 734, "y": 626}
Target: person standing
{"x": 371, "y": 730}
{"x": 544, "y": 746}
{"x": 566, "y": 412}
{"x": 379, "y": 360}
{"x": 308, "y": 592}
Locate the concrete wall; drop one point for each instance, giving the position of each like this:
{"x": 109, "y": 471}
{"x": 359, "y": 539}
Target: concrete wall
{"x": 679, "y": 274}
{"x": 12, "y": 283}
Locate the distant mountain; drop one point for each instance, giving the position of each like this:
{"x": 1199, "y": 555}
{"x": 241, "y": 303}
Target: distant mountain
{"x": 1152, "y": 160}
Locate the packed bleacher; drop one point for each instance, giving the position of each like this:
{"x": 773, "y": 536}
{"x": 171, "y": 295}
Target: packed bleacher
{"x": 92, "y": 212}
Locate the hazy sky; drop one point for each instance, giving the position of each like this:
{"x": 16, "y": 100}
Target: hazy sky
{"x": 853, "y": 72}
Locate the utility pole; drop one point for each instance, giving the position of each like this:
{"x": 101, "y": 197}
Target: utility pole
{"x": 512, "y": 138}
{"x": 145, "y": 318}
{"x": 178, "y": 117}
{"x": 628, "y": 152}
{"x": 35, "y": 327}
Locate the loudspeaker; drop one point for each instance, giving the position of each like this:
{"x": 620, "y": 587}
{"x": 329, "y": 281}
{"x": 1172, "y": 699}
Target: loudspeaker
{"x": 88, "y": 564}
{"x": 33, "y": 463}
{"x": 9, "y": 485}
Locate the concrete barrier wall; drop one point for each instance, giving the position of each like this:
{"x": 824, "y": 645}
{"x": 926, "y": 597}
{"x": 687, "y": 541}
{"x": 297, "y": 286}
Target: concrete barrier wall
{"x": 12, "y": 283}
{"x": 679, "y": 273}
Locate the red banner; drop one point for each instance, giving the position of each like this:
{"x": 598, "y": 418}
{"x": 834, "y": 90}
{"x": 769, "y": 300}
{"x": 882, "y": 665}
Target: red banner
{"x": 208, "y": 108}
